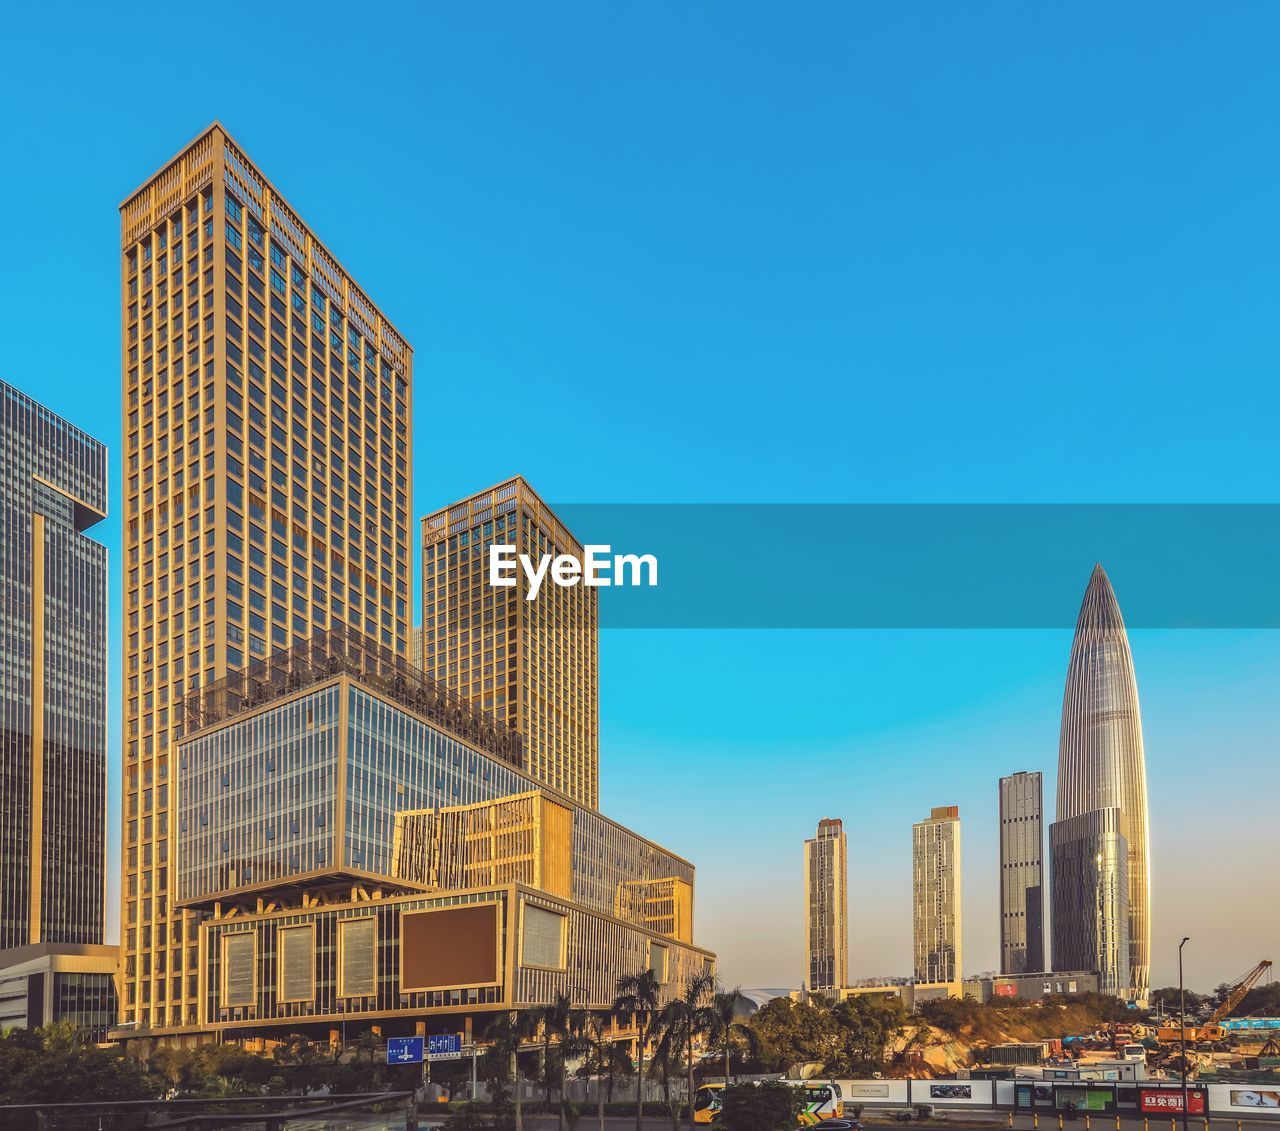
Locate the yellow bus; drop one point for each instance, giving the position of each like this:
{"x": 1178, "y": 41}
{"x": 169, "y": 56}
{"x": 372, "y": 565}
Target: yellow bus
{"x": 821, "y": 1101}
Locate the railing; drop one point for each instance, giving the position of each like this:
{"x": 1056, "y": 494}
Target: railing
{"x": 345, "y": 651}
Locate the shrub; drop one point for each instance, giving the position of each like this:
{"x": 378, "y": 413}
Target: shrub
{"x": 771, "y": 1106}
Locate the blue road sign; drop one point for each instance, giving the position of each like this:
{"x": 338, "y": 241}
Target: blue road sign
{"x": 405, "y": 1050}
{"x": 444, "y": 1046}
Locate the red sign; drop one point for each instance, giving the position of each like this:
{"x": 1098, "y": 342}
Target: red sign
{"x": 1005, "y": 989}
{"x": 1168, "y": 1101}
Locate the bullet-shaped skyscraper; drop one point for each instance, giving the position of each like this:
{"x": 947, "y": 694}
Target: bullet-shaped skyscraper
{"x": 1102, "y": 767}
{"x": 826, "y": 908}
{"x": 1021, "y": 874}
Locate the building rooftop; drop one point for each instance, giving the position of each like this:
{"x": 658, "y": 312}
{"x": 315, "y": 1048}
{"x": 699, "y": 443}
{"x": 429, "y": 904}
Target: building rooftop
{"x": 343, "y": 650}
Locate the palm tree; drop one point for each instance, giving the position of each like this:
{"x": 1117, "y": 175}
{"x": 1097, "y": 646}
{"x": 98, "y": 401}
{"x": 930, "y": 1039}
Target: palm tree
{"x": 637, "y": 1001}
{"x": 724, "y": 1029}
{"x": 556, "y": 1017}
{"x": 687, "y": 1017}
{"x": 509, "y": 1031}
{"x": 605, "y": 1059}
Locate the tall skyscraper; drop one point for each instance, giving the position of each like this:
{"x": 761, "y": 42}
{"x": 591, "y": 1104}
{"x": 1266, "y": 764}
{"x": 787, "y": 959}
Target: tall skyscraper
{"x": 267, "y": 409}
{"x": 1101, "y": 763}
{"x": 826, "y": 908}
{"x": 532, "y": 663}
{"x": 935, "y": 866}
{"x": 1021, "y": 874}
{"x": 53, "y": 694}
{"x": 1091, "y": 883}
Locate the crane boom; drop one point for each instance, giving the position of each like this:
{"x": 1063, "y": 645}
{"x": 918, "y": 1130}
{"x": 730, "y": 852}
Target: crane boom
{"x": 1235, "y": 995}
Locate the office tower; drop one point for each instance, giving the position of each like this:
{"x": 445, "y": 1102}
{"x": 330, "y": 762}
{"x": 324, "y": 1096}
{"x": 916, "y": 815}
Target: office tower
{"x": 1101, "y": 764}
{"x": 415, "y": 649}
{"x": 826, "y": 907}
{"x": 1021, "y": 874}
{"x": 53, "y": 695}
{"x": 445, "y": 888}
{"x": 1090, "y": 859}
{"x": 266, "y": 494}
{"x": 935, "y": 866}
{"x": 532, "y": 663}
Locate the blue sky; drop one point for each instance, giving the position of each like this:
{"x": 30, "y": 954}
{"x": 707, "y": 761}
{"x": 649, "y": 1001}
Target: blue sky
{"x": 750, "y": 253}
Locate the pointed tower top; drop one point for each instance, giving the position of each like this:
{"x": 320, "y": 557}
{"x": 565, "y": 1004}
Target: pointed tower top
{"x": 1100, "y": 610}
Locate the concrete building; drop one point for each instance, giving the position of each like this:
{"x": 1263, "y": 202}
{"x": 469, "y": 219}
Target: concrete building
{"x": 1090, "y": 860}
{"x": 365, "y": 846}
{"x": 1102, "y": 766}
{"x": 266, "y": 442}
{"x": 826, "y": 907}
{"x": 936, "y": 919}
{"x": 532, "y": 663}
{"x": 1021, "y": 874}
{"x": 1030, "y": 987}
{"x": 59, "y": 983}
{"x": 53, "y": 678}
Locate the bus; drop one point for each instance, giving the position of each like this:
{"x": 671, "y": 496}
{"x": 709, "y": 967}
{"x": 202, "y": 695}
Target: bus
{"x": 821, "y": 1101}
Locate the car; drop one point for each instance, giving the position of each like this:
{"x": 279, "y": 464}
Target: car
{"x": 840, "y": 1124}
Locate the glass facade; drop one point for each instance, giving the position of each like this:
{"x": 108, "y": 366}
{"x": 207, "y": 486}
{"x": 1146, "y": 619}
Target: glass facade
{"x": 1090, "y": 858}
{"x": 1101, "y": 760}
{"x": 267, "y": 405}
{"x": 328, "y": 782}
{"x": 533, "y": 663}
{"x": 53, "y": 675}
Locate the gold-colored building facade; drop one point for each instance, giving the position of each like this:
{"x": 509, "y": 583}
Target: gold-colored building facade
{"x": 533, "y": 663}
{"x": 267, "y": 479}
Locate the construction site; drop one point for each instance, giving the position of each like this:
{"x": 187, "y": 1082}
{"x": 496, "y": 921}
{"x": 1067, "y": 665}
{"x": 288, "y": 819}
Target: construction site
{"x": 1219, "y": 1047}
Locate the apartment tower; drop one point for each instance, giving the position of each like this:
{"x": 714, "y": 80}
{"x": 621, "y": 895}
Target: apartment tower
{"x": 935, "y": 866}
{"x": 1021, "y": 874}
{"x": 531, "y": 663}
{"x": 826, "y": 907}
{"x": 53, "y": 695}
{"x": 267, "y": 409}
{"x": 1102, "y": 766}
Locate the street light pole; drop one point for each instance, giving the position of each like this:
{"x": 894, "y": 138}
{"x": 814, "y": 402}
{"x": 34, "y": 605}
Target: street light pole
{"x": 1182, "y": 1023}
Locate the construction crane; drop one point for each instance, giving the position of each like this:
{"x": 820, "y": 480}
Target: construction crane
{"x": 1212, "y": 1030}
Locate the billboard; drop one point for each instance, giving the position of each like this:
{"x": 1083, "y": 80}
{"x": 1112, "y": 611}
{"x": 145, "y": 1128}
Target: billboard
{"x": 950, "y": 1091}
{"x": 1253, "y": 1097}
{"x": 1004, "y": 989}
{"x": 1163, "y": 1101}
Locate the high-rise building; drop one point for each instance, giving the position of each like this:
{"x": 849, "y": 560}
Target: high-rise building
{"x": 266, "y": 450}
{"x": 1021, "y": 874}
{"x": 1101, "y": 764}
{"x": 826, "y": 907}
{"x": 532, "y": 663}
{"x": 1091, "y": 883}
{"x": 53, "y": 694}
{"x": 935, "y": 866}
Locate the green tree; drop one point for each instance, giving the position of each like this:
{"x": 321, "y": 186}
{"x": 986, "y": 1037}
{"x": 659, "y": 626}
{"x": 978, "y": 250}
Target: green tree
{"x": 792, "y": 1032}
{"x": 510, "y": 1032}
{"x": 637, "y": 1002}
{"x": 771, "y": 1106}
{"x": 725, "y": 1032}
{"x": 555, "y": 1018}
{"x": 304, "y": 1062}
{"x": 688, "y": 1017}
{"x": 40, "y": 1068}
{"x": 604, "y": 1059}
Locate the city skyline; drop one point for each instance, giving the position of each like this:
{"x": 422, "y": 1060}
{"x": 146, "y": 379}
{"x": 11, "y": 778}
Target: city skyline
{"x": 907, "y": 268}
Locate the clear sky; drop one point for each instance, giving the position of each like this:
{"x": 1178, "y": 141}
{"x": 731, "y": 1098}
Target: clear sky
{"x": 764, "y": 253}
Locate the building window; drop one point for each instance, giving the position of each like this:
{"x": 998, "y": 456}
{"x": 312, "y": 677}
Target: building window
{"x": 239, "y": 970}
